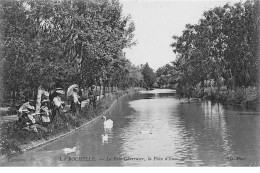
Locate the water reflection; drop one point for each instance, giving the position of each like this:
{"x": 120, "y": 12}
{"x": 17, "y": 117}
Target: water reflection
{"x": 199, "y": 133}
{"x": 167, "y": 138}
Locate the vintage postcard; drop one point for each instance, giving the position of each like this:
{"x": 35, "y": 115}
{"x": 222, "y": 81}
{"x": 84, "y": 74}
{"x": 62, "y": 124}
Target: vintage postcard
{"x": 117, "y": 83}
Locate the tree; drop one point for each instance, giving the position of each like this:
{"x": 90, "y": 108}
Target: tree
{"x": 164, "y": 75}
{"x": 221, "y": 47}
{"x": 50, "y": 43}
{"x": 148, "y": 76}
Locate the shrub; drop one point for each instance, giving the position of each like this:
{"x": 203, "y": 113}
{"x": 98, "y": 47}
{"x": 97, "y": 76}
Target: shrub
{"x": 240, "y": 95}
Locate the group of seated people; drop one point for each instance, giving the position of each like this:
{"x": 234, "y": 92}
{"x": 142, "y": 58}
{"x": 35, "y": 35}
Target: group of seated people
{"x": 31, "y": 120}
{"x": 51, "y": 104}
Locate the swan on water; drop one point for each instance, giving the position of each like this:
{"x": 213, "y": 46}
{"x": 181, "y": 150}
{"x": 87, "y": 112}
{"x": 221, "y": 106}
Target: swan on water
{"x": 107, "y": 123}
{"x": 69, "y": 150}
{"x": 104, "y": 137}
{"x": 146, "y": 132}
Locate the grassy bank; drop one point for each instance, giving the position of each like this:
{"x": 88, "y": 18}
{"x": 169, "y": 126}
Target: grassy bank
{"x": 13, "y": 139}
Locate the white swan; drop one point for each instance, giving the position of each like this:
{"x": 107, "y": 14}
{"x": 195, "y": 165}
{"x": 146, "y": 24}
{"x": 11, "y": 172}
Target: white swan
{"x": 107, "y": 123}
{"x": 104, "y": 137}
{"x": 69, "y": 150}
{"x": 146, "y": 132}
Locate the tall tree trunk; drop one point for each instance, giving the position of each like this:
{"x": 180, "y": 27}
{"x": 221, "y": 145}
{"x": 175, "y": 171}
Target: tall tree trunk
{"x": 100, "y": 91}
{"x": 203, "y": 86}
{"x": 104, "y": 90}
{"x": 13, "y": 97}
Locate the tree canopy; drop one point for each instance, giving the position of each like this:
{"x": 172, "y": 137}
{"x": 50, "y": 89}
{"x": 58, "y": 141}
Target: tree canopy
{"x": 149, "y": 76}
{"x": 61, "y": 42}
{"x": 222, "y": 47}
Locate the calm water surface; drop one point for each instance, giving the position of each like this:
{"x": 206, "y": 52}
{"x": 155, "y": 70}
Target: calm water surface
{"x": 198, "y": 133}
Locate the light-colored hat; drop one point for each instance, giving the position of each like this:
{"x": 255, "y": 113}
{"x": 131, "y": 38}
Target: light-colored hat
{"x": 25, "y": 111}
{"x": 60, "y": 91}
{"x": 45, "y": 100}
{"x": 30, "y": 107}
{"x": 59, "y": 88}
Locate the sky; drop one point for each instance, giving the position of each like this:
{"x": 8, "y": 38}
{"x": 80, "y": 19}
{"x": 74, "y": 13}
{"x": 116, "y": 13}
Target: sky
{"x": 157, "y": 21}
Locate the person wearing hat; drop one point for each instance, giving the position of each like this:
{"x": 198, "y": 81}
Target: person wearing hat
{"x": 74, "y": 100}
{"x": 26, "y": 119}
{"x": 57, "y": 103}
{"x": 27, "y": 106}
{"x": 92, "y": 96}
{"x": 45, "y": 112}
{"x": 57, "y": 99}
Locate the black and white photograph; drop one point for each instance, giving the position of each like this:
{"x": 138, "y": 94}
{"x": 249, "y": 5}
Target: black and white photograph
{"x": 129, "y": 83}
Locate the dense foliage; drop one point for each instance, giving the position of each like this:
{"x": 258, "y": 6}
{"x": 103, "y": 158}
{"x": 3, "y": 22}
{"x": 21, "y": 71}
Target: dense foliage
{"x": 223, "y": 47}
{"x": 49, "y": 43}
{"x": 165, "y": 76}
{"x": 221, "y": 50}
{"x": 149, "y": 76}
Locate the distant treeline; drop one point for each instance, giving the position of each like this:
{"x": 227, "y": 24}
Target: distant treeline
{"x": 221, "y": 50}
{"x": 53, "y": 43}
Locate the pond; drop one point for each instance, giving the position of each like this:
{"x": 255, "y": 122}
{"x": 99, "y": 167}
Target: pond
{"x": 155, "y": 128}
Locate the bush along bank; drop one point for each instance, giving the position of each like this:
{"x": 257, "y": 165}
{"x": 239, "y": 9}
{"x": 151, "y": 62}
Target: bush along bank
{"x": 15, "y": 140}
{"x": 246, "y": 97}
